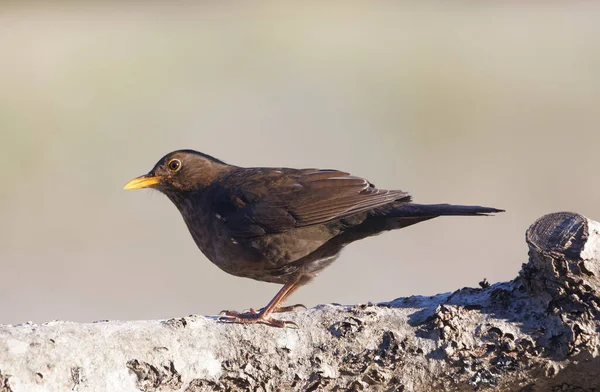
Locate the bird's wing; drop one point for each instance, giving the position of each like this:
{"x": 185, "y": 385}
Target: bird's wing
{"x": 260, "y": 201}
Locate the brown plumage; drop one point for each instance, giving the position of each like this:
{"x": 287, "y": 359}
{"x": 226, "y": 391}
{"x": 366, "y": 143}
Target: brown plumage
{"x": 280, "y": 225}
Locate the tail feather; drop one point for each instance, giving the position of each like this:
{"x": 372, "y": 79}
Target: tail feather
{"x": 422, "y": 210}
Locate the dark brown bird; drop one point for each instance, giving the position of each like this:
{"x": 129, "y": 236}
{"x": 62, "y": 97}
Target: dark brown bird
{"x": 280, "y": 225}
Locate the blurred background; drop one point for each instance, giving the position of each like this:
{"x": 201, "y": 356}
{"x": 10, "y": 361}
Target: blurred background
{"x": 473, "y": 103}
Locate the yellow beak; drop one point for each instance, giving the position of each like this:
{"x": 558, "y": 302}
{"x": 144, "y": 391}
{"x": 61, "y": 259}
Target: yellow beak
{"x": 142, "y": 182}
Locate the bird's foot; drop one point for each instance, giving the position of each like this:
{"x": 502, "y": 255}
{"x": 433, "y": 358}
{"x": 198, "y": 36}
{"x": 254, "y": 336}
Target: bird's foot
{"x": 253, "y": 317}
{"x": 280, "y": 309}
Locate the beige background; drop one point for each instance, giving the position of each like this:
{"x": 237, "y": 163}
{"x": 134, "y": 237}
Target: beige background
{"x": 470, "y": 103}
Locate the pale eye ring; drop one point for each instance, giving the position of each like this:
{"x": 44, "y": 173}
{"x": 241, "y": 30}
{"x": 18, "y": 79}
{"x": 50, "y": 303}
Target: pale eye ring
{"x": 174, "y": 165}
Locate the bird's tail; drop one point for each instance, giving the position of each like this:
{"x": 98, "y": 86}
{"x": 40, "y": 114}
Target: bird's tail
{"x": 405, "y": 214}
{"x": 410, "y": 210}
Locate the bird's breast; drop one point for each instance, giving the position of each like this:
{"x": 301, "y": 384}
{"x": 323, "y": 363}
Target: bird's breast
{"x": 216, "y": 243}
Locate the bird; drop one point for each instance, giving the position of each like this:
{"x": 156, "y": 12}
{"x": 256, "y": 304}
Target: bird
{"x": 280, "y": 225}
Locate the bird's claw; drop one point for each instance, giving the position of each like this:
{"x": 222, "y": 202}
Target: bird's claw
{"x": 290, "y": 308}
{"x": 252, "y": 317}
{"x": 233, "y": 313}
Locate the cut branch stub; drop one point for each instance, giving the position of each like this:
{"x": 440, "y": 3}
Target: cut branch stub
{"x": 564, "y": 272}
{"x": 564, "y": 233}
{"x": 564, "y": 250}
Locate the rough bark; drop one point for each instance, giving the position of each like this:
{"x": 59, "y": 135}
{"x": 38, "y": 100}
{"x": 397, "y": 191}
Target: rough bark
{"x": 539, "y": 332}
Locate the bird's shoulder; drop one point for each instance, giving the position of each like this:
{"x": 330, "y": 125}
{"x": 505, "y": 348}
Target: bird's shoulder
{"x": 245, "y": 186}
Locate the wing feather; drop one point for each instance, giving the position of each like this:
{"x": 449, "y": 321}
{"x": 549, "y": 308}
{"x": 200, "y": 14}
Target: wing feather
{"x": 287, "y": 198}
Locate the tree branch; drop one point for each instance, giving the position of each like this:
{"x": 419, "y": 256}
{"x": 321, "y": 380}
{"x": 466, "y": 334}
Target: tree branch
{"x": 539, "y": 332}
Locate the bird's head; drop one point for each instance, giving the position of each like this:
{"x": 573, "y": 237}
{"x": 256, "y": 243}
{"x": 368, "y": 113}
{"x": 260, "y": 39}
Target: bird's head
{"x": 180, "y": 172}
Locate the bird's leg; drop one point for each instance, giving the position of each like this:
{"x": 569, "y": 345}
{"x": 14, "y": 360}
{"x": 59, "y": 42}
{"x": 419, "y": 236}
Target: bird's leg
{"x": 283, "y": 309}
{"x": 264, "y": 315}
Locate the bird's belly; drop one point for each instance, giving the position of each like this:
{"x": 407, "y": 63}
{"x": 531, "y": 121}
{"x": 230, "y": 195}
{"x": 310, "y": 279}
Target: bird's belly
{"x": 282, "y": 249}
{"x": 263, "y": 257}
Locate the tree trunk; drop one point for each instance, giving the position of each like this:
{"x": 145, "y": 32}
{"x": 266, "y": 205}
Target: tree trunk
{"x": 539, "y": 332}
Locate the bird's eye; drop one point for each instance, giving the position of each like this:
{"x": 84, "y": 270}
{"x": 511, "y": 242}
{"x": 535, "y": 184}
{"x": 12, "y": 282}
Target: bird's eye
{"x": 174, "y": 165}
